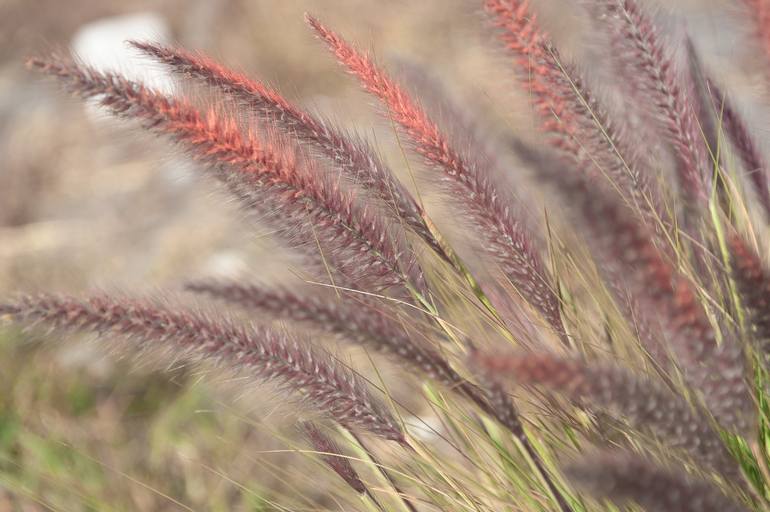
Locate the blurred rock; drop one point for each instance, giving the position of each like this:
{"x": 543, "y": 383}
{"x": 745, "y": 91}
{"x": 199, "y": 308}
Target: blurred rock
{"x": 103, "y": 45}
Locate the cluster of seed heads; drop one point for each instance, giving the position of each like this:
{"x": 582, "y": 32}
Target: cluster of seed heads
{"x": 664, "y": 249}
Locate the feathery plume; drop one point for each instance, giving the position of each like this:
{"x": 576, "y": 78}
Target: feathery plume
{"x": 333, "y": 456}
{"x": 456, "y": 124}
{"x": 666, "y": 300}
{"x": 271, "y": 356}
{"x": 753, "y": 283}
{"x": 264, "y": 174}
{"x": 734, "y": 126}
{"x": 659, "y": 83}
{"x": 579, "y": 124}
{"x": 352, "y": 156}
{"x": 357, "y": 321}
{"x": 539, "y": 66}
{"x": 507, "y": 241}
{"x": 625, "y": 477}
{"x": 703, "y": 102}
{"x": 647, "y": 406}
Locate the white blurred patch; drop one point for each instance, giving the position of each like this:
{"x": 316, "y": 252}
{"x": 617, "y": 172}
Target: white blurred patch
{"x": 428, "y": 429}
{"x": 102, "y": 44}
{"x": 226, "y": 265}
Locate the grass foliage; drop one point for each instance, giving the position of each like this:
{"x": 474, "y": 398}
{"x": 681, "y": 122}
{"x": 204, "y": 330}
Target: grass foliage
{"x": 605, "y": 347}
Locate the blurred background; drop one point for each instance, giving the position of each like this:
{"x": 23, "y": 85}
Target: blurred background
{"x": 90, "y": 203}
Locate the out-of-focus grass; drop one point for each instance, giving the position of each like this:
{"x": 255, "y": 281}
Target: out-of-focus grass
{"x": 100, "y": 435}
{"x": 76, "y": 439}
